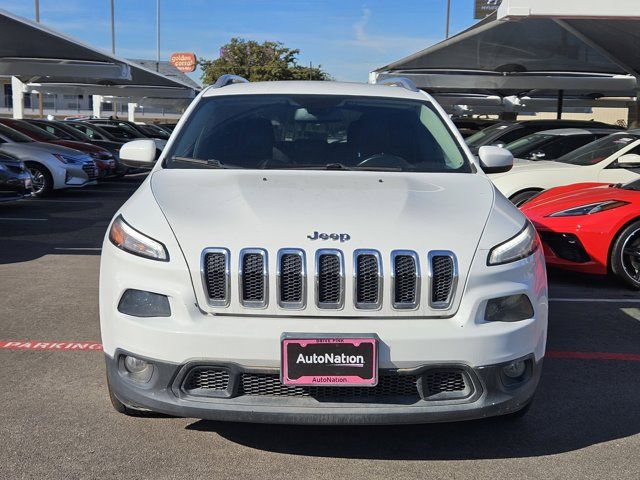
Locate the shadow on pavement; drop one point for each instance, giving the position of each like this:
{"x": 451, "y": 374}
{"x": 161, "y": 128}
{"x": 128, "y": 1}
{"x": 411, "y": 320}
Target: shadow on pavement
{"x": 579, "y": 404}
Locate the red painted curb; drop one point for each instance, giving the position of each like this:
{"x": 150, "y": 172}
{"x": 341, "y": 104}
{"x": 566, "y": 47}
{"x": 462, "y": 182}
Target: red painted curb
{"x": 37, "y": 345}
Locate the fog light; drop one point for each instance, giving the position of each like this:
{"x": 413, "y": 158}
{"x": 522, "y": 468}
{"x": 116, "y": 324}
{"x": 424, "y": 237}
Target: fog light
{"x": 514, "y": 369}
{"x": 139, "y": 303}
{"x": 138, "y": 369}
{"x": 508, "y": 309}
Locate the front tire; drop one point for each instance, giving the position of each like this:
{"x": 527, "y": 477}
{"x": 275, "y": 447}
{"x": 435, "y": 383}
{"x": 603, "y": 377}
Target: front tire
{"x": 120, "y": 407}
{"x": 625, "y": 255}
{"x": 41, "y": 179}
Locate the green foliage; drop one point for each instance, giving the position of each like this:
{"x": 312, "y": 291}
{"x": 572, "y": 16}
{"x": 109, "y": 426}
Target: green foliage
{"x": 259, "y": 62}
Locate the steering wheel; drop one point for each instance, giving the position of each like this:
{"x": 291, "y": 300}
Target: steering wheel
{"x": 385, "y": 160}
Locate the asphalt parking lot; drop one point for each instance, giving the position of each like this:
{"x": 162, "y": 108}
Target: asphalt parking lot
{"x": 57, "y": 422}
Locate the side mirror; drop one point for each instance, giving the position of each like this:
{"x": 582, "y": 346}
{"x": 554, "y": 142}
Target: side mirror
{"x": 495, "y": 159}
{"x": 630, "y": 160}
{"x": 138, "y": 153}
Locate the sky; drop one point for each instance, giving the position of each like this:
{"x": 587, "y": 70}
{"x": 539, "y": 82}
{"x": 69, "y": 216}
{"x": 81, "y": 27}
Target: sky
{"x": 348, "y": 38}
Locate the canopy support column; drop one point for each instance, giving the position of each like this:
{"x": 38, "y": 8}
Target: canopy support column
{"x": 633, "y": 119}
{"x": 97, "y": 106}
{"x": 560, "y": 104}
{"x": 131, "y": 111}
{"x": 17, "y": 98}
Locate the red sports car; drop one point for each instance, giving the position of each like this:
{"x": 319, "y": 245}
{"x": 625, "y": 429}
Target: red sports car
{"x": 590, "y": 227}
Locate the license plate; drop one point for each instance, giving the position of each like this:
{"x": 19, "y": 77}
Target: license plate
{"x": 329, "y": 360}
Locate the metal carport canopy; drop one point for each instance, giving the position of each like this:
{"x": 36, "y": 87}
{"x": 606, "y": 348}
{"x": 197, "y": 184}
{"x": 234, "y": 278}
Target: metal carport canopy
{"x": 588, "y": 48}
{"x": 49, "y": 61}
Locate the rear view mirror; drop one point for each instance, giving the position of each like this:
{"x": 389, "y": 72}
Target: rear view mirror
{"x": 538, "y": 155}
{"x": 495, "y": 159}
{"x": 630, "y": 160}
{"x": 138, "y": 153}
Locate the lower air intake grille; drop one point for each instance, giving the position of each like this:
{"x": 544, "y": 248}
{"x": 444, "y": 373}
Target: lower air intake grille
{"x": 291, "y": 278}
{"x": 388, "y": 386}
{"x": 253, "y": 278}
{"x": 216, "y": 276}
{"x": 210, "y": 379}
{"x": 444, "y": 384}
{"x": 442, "y": 278}
{"x": 329, "y": 279}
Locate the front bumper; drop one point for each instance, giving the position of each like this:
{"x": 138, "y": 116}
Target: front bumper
{"x": 487, "y": 395}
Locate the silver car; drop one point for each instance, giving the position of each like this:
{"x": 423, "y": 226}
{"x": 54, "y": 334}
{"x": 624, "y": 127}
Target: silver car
{"x": 52, "y": 167}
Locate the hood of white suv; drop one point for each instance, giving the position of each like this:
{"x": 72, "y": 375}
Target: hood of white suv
{"x": 238, "y": 209}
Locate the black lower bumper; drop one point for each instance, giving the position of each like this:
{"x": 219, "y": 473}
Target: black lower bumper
{"x": 489, "y": 395}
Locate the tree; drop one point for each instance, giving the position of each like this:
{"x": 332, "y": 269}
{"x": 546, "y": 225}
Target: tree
{"x": 258, "y": 62}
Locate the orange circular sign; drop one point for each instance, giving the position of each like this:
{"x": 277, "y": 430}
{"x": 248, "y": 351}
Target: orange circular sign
{"x": 184, "y": 61}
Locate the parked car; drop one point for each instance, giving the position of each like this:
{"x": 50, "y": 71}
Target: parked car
{"x": 591, "y": 228}
{"x": 65, "y": 132}
{"x": 552, "y": 144}
{"x": 504, "y": 133}
{"x": 274, "y": 269}
{"x": 140, "y": 128}
{"x": 605, "y": 160}
{"x": 125, "y": 131}
{"x": 52, "y": 167}
{"x": 154, "y": 130}
{"x": 467, "y": 126}
{"x": 15, "y": 179}
{"x": 103, "y": 158}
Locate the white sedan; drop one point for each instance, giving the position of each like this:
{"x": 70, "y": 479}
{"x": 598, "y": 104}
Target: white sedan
{"x": 612, "y": 159}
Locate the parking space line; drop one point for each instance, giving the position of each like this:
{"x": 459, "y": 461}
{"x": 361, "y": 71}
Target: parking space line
{"x": 25, "y": 219}
{"x": 96, "y": 346}
{"x": 603, "y": 300}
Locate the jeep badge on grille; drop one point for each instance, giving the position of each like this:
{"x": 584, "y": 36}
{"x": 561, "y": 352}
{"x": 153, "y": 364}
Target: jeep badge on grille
{"x": 343, "y": 237}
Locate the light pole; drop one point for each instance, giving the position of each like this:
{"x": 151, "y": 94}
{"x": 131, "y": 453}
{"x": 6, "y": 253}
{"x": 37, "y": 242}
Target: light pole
{"x": 37, "y": 11}
{"x": 40, "y": 105}
{"x": 446, "y": 34}
{"x": 157, "y": 35}
{"x": 113, "y": 30}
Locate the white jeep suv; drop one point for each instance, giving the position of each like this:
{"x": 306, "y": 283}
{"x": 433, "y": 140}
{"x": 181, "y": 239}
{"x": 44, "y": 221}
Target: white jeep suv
{"x": 321, "y": 253}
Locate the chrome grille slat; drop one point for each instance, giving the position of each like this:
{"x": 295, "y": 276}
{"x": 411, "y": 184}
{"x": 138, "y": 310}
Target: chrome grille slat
{"x": 253, "y": 277}
{"x": 443, "y": 275}
{"x": 405, "y": 277}
{"x": 216, "y": 276}
{"x": 292, "y": 278}
{"x": 367, "y": 271}
{"x": 329, "y": 279}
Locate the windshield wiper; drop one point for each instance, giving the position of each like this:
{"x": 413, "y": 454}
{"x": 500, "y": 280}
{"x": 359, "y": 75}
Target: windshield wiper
{"x": 209, "y": 163}
{"x": 337, "y": 166}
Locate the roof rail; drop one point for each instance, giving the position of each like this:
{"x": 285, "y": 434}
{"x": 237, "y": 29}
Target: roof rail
{"x": 403, "y": 82}
{"x": 228, "y": 79}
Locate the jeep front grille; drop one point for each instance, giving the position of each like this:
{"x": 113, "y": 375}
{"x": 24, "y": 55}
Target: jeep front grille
{"x": 405, "y": 274}
{"x": 367, "y": 270}
{"x": 292, "y": 278}
{"x": 254, "y": 279}
{"x": 443, "y": 272}
{"x": 404, "y": 271}
{"x": 329, "y": 279}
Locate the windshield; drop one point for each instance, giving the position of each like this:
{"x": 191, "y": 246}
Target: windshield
{"x": 121, "y": 131}
{"x": 13, "y": 135}
{"x": 524, "y": 145}
{"x": 32, "y": 131}
{"x": 596, "y": 151}
{"x": 634, "y": 185}
{"x": 478, "y": 137}
{"x": 316, "y": 132}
